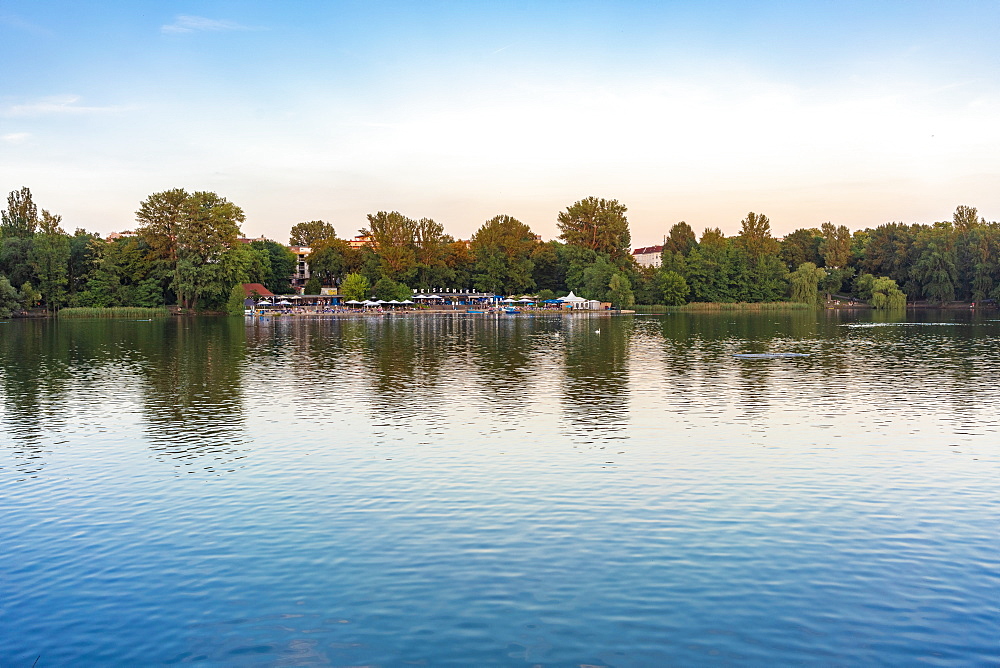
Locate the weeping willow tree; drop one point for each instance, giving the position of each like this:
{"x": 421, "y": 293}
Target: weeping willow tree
{"x": 886, "y": 295}
{"x": 804, "y": 283}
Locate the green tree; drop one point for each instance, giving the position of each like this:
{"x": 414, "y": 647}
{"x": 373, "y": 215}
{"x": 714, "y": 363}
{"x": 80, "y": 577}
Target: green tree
{"x": 311, "y": 233}
{"x": 392, "y": 236}
{"x": 801, "y": 246}
{"x": 20, "y": 218}
{"x": 312, "y": 286}
{"x": 387, "y": 289}
{"x": 50, "y": 258}
{"x": 549, "y": 273}
{"x": 83, "y": 259}
{"x": 29, "y": 295}
{"x": 936, "y": 266}
{"x": 502, "y": 250}
{"x": 234, "y": 305}
{"x": 835, "y": 246}
{"x": 890, "y": 252}
{"x": 15, "y": 259}
{"x": 756, "y": 272}
{"x": 10, "y": 300}
{"x": 211, "y": 227}
{"x": 862, "y": 288}
{"x": 355, "y": 286}
{"x": 431, "y": 249}
{"x": 597, "y": 224}
{"x": 160, "y": 218}
{"x": 281, "y": 265}
{"x": 187, "y": 235}
{"x": 576, "y": 260}
{"x": 708, "y": 269}
{"x": 755, "y": 236}
{"x": 620, "y": 291}
{"x": 673, "y": 288}
{"x": 597, "y": 279}
{"x": 982, "y": 261}
{"x": 329, "y": 261}
{"x": 804, "y": 283}
{"x": 680, "y": 240}
{"x": 966, "y": 218}
{"x": 886, "y": 295}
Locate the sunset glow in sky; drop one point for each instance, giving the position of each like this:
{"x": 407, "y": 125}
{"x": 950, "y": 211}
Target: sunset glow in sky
{"x": 855, "y": 113}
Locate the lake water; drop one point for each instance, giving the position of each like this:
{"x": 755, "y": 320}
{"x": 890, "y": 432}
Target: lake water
{"x": 515, "y": 491}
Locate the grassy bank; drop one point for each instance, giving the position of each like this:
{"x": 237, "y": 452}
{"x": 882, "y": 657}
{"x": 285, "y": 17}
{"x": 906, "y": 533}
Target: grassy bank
{"x": 133, "y": 312}
{"x": 745, "y": 307}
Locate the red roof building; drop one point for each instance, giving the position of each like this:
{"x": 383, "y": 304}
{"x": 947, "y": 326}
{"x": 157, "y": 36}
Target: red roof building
{"x": 251, "y": 289}
{"x": 648, "y": 256}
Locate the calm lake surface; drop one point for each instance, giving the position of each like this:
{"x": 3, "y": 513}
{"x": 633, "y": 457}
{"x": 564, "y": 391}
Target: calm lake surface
{"x": 481, "y": 490}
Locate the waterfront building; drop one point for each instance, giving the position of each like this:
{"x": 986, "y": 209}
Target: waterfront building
{"x": 650, "y": 256}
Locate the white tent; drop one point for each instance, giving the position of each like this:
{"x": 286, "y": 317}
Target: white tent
{"x": 573, "y": 299}
{"x": 406, "y": 301}
{"x": 353, "y": 301}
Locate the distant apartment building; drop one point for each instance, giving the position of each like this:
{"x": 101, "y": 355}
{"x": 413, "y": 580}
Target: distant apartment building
{"x": 360, "y": 241}
{"x": 301, "y": 274}
{"x": 648, "y": 256}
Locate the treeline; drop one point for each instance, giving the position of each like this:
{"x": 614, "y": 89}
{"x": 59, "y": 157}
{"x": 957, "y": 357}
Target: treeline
{"x": 186, "y": 251}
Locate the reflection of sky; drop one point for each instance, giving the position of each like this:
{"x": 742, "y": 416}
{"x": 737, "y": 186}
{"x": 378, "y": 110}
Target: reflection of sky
{"x": 853, "y": 112}
{"x": 426, "y": 488}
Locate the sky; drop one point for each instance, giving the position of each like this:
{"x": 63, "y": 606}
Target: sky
{"x": 857, "y": 113}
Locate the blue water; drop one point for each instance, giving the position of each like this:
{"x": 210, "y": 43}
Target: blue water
{"x": 481, "y": 490}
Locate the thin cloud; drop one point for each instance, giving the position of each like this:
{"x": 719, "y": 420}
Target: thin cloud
{"x": 58, "y": 104}
{"x": 15, "y": 137}
{"x": 185, "y": 24}
{"x": 18, "y": 23}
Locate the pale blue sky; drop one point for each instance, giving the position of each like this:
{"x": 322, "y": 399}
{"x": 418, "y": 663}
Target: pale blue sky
{"x": 857, "y": 113}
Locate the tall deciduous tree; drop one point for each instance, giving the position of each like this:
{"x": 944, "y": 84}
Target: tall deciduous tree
{"x": 502, "y": 250}
{"x": 431, "y": 247}
{"x": 20, "y": 218}
{"x": 187, "y": 235}
{"x": 311, "y": 233}
{"x": 50, "y": 256}
{"x": 936, "y": 267}
{"x": 800, "y": 246}
{"x": 836, "y": 245}
{"x": 755, "y": 235}
{"x": 597, "y": 224}
{"x": 680, "y": 240}
{"x": 392, "y": 236}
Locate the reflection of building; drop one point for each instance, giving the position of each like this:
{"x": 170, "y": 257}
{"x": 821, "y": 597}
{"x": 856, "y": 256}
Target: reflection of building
{"x": 301, "y": 274}
{"x": 648, "y": 256}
